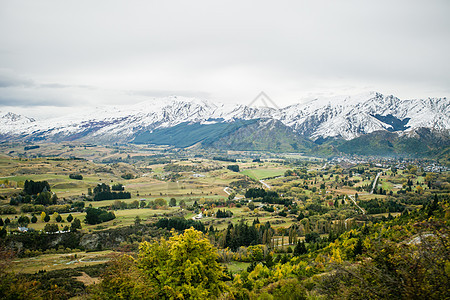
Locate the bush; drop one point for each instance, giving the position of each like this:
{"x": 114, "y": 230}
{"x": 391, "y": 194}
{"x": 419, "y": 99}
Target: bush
{"x": 7, "y": 210}
{"x": 127, "y": 176}
{"x": 46, "y": 198}
{"x": 51, "y": 228}
{"x": 97, "y": 216}
{"x": 224, "y": 159}
{"x": 103, "y": 192}
{"x": 282, "y": 214}
{"x": 160, "y": 202}
{"x": 312, "y": 237}
{"x": 78, "y": 205}
{"x": 23, "y": 220}
{"x": 255, "y": 193}
{"x": 234, "y": 168}
{"x": 118, "y": 187}
{"x": 58, "y": 208}
{"x": 179, "y": 224}
{"x": 76, "y": 224}
{"x": 76, "y": 176}
{"x": 224, "y": 214}
{"x": 26, "y": 208}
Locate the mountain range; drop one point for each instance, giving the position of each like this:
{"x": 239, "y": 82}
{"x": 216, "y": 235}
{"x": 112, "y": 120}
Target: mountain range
{"x": 183, "y": 122}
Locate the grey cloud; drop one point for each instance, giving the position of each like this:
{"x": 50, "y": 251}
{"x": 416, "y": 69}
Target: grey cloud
{"x": 223, "y": 50}
{"x": 9, "y": 80}
{"x": 161, "y": 93}
{"x": 27, "y": 102}
{"x": 64, "y": 86}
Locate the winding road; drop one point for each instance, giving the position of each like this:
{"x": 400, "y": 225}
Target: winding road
{"x": 371, "y": 192}
{"x": 226, "y": 191}
{"x": 265, "y": 184}
{"x": 375, "y": 182}
{"x": 229, "y": 193}
{"x": 354, "y": 202}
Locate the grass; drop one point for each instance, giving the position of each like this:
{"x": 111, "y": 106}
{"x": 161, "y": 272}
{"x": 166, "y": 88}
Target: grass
{"x": 394, "y": 214}
{"x": 126, "y": 217}
{"x": 187, "y": 187}
{"x": 386, "y": 185}
{"x": 259, "y": 174}
{"x": 237, "y": 266}
{"x": 51, "y": 262}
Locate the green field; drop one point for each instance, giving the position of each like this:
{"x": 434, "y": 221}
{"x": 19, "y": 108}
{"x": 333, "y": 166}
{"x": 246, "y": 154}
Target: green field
{"x": 311, "y": 204}
{"x": 49, "y": 262}
{"x": 155, "y": 181}
{"x": 259, "y": 174}
{"x": 237, "y": 266}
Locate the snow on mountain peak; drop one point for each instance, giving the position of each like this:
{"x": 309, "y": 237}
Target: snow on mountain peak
{"x": 339, "y": 116}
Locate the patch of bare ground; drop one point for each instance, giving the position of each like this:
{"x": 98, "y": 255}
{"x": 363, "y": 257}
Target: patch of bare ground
{"x": 87, "y": 280}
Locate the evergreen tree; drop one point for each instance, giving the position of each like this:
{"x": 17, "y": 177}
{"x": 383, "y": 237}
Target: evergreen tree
{"x": 300, "y": 248}
{"x": 69, "y": 218}
{"x": 358, "y": 247}
{"x": 23, "y": 221}
{"x": 76, "y": 224}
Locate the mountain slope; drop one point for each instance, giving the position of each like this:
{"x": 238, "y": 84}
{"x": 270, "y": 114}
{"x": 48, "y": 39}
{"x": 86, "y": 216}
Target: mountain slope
{"x": 188, "y": 134}
{"x": 155, "y": 120}
{"x": 350, "y": 117}
{"x": 9, "y": 122}
{"x": 265, "y": 135}
{"x": 122, "y": 123}
{"x": 251, "y": 135}
{"x": 421, "y": 142}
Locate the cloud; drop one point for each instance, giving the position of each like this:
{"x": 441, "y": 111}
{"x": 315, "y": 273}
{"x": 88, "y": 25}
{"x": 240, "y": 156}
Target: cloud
{"x": 21, "y": 91}
{"x": 72, "y": 53}
{"x": 63, "y": 86}
{"x": 27, "y": 102}
{"x": 10, "y": 79}
{"x": 162, "y": 93}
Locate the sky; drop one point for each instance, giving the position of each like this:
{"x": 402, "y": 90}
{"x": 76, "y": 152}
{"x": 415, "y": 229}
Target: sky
{"x": 57, "y": 57}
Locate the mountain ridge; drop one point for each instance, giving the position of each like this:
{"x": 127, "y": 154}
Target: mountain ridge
{"x": 345, "y": 118}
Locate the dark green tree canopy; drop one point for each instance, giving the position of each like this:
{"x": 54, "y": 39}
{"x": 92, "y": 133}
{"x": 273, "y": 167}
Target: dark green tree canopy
{"x": 33, "y": 188}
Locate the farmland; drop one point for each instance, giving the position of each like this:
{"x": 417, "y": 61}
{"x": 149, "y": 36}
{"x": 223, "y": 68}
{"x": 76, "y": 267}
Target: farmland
{"x": 300, "y": 200}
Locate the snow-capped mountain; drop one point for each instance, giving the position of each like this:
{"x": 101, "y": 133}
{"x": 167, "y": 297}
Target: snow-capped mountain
{"x": 340, "y": 117}
{"x": 350, "y": 117}
{"x": 11, "y": 123}
{"x": 121, "y": 123}
{"x": 9, "y": 118}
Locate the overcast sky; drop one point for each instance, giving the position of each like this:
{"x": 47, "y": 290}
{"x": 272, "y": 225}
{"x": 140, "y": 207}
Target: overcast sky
{"x": 72, "y": 54}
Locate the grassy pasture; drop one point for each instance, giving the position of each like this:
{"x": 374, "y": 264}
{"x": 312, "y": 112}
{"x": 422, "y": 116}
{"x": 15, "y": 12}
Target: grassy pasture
{"x": 152, "y": 183}
{"x": 237, "y": 266}
{"x": 51, "y": 262}
{"x": 259, "y": 174}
